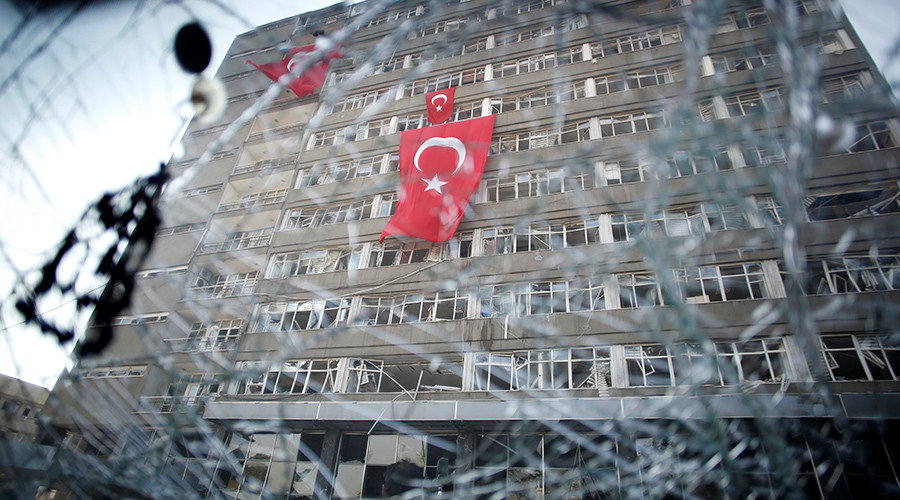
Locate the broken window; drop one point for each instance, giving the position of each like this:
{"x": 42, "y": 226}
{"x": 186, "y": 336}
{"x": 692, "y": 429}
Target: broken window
{"x": 861, "y": 357}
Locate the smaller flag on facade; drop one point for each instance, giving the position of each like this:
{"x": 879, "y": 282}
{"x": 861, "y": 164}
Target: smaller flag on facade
{"x": 440, "y": 105}
{"x": 310, "y": 80}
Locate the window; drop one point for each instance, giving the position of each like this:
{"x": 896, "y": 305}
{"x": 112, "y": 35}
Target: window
{"x": 357, "y": 101}
{"x": 372, "y": 129}
{"x": 220, "y": 335}
{"x": 722, "y": 283}
{"x": 637, "y": 41}
{"x": 770, "y": 210}
{"x": 538, "y": 62}
{"x": 649, "y": 365}
{"x": 835, "y": 89}
{"x": 393, "y": 16}
{"x": 758, "y": 360}
{"x": 610, "y": 84}
{"x": 871, "y": 136}
{"x": 298, "y": 316}
{"x": 116, "y": 371}
{"x": 210, "y": 285}
{"x": 293, "y": 377}
{"x": 445, "y": 26}
{"x": 413, "y": 308}
{"x": 395, "y": 253}
{"x": 853, "y": 274}
{"x": 466, "y": 111}
{"x": 265, "y": 164}
{"x": 500, "y": 240}
{"x": 538, "y": 183}
{"x": 336, "y": 214}
{"x": 387, "y": 205}
{"x": 523, "y": 141}
{"x": 149, "y": 273}
{"x": 144, "y": 319}
{"x": 325, "y": 138}
{"x": 254, "y": 200}
{"x": 639, "y": 290}
{"x": 861, "y": 357}
{"x": 743, "y": 20}
{"x": 411, "y": 122}
{"x": 201, "y": 190}
{"x": 853, "y": 204}
{"x": 326, "y": 173}
{"x": 685, "y": 163}
{"x": 184, "y": 228}
{"x": 744, "y": 60}
{"x": 624, "y": 172}
{"x": 630, "y": 123}
{"x": 755, "y": 156}
{"x": 464, "y": 77}
{"x": 546, "y": 369}
{"x": 650, "y": 77}
{"x": 285, "y": 265}
{"x": 542, "y": 297}
{"x": 678, "y": 221}
{"x": 241, "y": 239}
{"x": 753, "y": 102}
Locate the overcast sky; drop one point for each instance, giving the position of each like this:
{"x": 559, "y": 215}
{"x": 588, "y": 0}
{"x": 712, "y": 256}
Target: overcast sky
{"x": 93, "y": 101}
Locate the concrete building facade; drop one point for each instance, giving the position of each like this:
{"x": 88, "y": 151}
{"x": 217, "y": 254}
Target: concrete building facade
{"x": 684, "y": 219}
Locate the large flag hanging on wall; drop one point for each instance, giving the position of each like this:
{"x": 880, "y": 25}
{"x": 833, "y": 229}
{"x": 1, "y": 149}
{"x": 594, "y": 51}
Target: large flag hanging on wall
{"x": 439, "y": 105}
{"x": 310, "y": 80}
{"x": 440, "y": 168}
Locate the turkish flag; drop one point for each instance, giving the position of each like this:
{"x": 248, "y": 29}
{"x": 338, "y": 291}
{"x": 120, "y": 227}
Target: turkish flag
{"x": 310, "y": 80}
{"x": 440, "y": 168}
{"x": 440, "y": 105}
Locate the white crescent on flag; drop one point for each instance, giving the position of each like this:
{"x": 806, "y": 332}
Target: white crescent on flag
{"x": 439, "y": 95}
{"x": 450, "y": 142}
{"x": 298, "y": 57}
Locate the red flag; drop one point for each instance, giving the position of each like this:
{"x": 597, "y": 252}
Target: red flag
{"x": 440, "y": 105}
{"x": 440, "y": 168}
{"x": 310, "y": 80}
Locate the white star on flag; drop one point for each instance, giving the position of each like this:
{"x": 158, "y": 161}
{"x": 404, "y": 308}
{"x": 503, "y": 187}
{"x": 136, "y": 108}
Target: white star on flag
{"x": 438, "y": 108}
{"x": 434, "y": 183}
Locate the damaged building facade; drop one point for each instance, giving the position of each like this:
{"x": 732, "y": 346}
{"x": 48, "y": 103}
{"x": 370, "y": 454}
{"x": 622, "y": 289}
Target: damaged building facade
{"x": 622, "y": 278}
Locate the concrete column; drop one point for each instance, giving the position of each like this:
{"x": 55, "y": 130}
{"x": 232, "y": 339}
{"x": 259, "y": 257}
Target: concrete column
{"x": 774, "y": 284}
{"x": 719, "y": 108}
{"x": 590, "y": 88}
{"x": 486, "y": 106}
{"x": 327, "y": 464}
{"x": 618, "y": 370}
{"x": 407, "y": 61}
{"x": 594, "y": 129}
{"x": 489, "y": 72}
{"x": 586, "y": 52}
{"x": 799, "y": 368}
{"x": 606, "y": 235}
{"x": 611, "y": 292}
{"x": 491, "y": 42}
{"x": 706, "y": 66}
{"x": 736, "y": 156}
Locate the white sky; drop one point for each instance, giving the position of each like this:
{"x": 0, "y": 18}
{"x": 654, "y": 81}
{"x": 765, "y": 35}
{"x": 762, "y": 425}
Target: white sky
{"x": 102, "y": 102}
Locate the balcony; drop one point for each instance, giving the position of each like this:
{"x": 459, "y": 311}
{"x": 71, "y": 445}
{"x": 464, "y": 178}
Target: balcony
{"x": 264, "y": 165}
{"x": 204, "y": 344}
{"x": 166, "y": 405}
{"x": 240, "y": 241}
{"x": 254, "y": 200}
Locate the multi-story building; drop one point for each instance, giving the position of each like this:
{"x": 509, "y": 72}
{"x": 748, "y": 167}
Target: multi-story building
{"x": 21, "y": 402}
{"x": 677, "y": 277}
